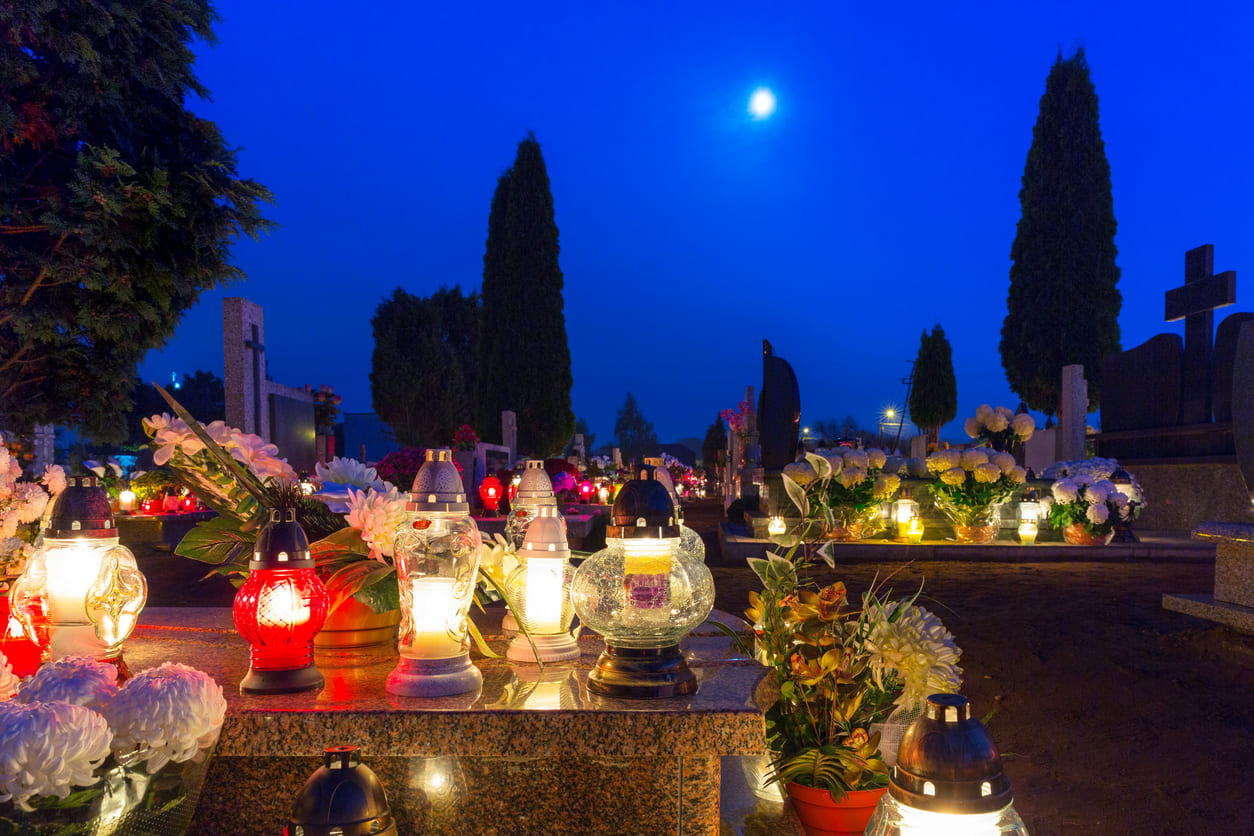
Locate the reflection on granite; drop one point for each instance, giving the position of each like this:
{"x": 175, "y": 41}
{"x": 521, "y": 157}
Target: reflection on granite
{"x": 531, "y": 752}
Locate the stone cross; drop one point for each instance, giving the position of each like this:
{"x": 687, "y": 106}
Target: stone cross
{"x": 1195, "y": 303}
{"x": 244, "y": 366}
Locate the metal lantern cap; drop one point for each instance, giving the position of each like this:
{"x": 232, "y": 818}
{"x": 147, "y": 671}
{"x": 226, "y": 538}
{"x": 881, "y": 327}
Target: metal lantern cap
{"x": 82, "y": 511}
{"x": 947, "y": 762}
{"x": 438, "y": 487}
{"x": 341, "y": 797}
{"x": 282, "y": 544}
{"x": 643, "y": 509}
{"x": 534, "y": 484}
{"x": 546, "y": 536}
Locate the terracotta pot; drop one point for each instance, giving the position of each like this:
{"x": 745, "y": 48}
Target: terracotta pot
{"x": 1077, "y": 536}
{"x": 821, "y": 816}
{"x": 845, "y": 534}
{"x": 975, "y": 533}
{"x": 353, "y": 624}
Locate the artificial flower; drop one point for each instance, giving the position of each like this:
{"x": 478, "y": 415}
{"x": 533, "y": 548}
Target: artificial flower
{"x": 78, "y": 680}
{"x": 1097, "y": 514}
{"x": 342, "y": 471}
{"x": 46, "y": 748}
{"x": 167, "y": 713}
{"x": 916, "y": 647}
{"x": 378, "y": 515}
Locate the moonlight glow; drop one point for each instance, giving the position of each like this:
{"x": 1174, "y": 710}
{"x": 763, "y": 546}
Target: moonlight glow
{"x": 762, "y": 103}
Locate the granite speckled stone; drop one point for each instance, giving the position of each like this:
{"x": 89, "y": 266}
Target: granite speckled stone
{"x": 530, "y": 752}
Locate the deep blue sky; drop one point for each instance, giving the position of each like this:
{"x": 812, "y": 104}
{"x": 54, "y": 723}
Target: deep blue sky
{"x": 880, "y": 198}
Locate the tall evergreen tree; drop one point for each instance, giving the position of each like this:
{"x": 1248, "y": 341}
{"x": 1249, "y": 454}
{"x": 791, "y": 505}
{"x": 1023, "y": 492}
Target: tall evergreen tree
{"x": 1063, "y": 306}
{"x": 118, "y": 205}
{"x": 424, "y": 366}
{"x": 634, "y": 432}
{"x": 934, "y": 393}
{"x": 524, "y": 351}
{"x": 715, "y": 442}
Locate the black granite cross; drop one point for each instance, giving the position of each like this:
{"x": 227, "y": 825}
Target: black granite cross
{"x": 1195, "y": 303}
{"x": 257, "y": 349}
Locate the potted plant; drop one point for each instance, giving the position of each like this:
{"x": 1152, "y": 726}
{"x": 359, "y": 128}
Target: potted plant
{"x": 1086, "y": 508}
{"x": 968, "y": 486}
{"x": 842, "y": 490}
{"x": 999, "y": 428}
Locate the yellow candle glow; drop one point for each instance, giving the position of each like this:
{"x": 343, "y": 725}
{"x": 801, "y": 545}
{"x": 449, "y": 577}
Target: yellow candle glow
{"x": 433, "y": 604}
{"x": 542, "y": 610}
{"x": 1027, "y": 532}
{"x": 914, "y": 531}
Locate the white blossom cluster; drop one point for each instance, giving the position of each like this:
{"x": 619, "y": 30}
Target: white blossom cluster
{"x": 65, "y": 720}
{"x": 984, "y": 465}
{"x": 23, "y": 502}
{"x": 172, "y": 436}
{"x": 990, "y": 420}
{"x": 1099, "y": 498}
{"x": 350, "y": 472}
{"x": 378, "y": 515}
{"x": 912, "y": 643}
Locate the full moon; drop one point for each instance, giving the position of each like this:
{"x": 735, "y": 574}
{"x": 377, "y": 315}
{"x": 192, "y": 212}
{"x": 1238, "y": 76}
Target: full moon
{"x": 762, "y": 103}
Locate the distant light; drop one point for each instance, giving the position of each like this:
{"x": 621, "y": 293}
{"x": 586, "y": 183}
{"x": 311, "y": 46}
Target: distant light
{"x": 762, "y": 103}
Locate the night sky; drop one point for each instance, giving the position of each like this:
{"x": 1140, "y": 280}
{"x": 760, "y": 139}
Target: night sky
{"x": 880, "y": 198}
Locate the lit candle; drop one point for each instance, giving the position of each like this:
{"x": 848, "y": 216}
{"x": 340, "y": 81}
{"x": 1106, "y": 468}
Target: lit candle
{"x": 1027, "y": 532}
{"x": 544, "y": 590}
{"x": 433, "y": 603}
{"x": 914, "y": 531}
{"x": 72, "y": 569}
{"x": 126, "y": 501}
{"x": 776, "y": 526}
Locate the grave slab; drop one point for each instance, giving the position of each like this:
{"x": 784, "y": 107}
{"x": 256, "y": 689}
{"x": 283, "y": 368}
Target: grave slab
{"x": 1233, "y": 600}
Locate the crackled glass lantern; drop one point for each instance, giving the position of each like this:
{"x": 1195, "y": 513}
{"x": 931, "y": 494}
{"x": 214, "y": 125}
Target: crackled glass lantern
{"x": 437, "y": 561}
{"x": 904, "y": 510}
{"x": 947, "y": 780}
{"x": 280, "y": 608}
{"x": 535, "y": 489}
{"x": 82, "y": 592}
{"x": 643, "y": 593}
{"x": 540, "y": 591}
{"x": 689, "y": 540}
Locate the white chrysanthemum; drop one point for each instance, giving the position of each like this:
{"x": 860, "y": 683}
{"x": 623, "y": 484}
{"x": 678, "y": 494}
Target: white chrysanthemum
{"x": 876, "y": 458}
{"x": 79, "y": 680}
{"x": 46, "y": 748}
{"x": 54, "y": 479}
{"x": 1096, "y": 494}
{"x": 943, "y": 460}
{"x": 972, "y": 427}
{"x": 802, "y": 473}
{"x": 378, "y": 515}
{"x": 1065, "y": 491}
{"x": 987, "y": 473}
{"x": 973, "y": 458}
{"x": 1097, "y": 514}
{"x": 887, "y": 485}
{"x": 344, "y": 471}
{"x": 857, "y": 459}
{"x": 851, "y": 476}
{"x": 997, "y": 422}
{"x": 1018, "y": 476}
{"x": 918, "y": 649}
{"x": 167, "y": 713}
{"x": 1023, "y": 426}
{"x": 955, "y": 476}
{"x": 983, "y": 412}
{"x": 1004, "y": 412}
{"x": 1004, "y": 461}
{"x": 9, "y": 681}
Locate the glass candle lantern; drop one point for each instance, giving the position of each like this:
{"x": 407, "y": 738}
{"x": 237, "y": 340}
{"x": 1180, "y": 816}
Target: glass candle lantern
{"x": 914, "y": 530}
{"x": 1027, "y": 531}
{"x": 643, "y": 593}
{"x": 82, "y": 592}
{"x": 280, "y": 608}
{"x": 490, "y": 492}
{"x": 947, "y": 779}
{"x": 1030, "y": 507}
{"x": 535, "y": 489}
{"x": 904, "y": 510}
{"x": 689, "y": 540}
{"x": 126, "y": 501}
{"x": 540, "y": 589}
{"x": 776, "y": 526}
{"x": 437, "y": 561}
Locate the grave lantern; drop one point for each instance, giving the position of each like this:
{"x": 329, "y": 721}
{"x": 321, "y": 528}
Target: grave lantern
{"x": 947, "y": 780}
{"x": 1029, "y": 518}
{"x": 604, "y": 494}
{"x": 914, "y": 530}
{"x": 776, "y": 526}
{"x": 643, "y": 593}
{"x": 490, "y": 492}
{"x": 1123, "y": 483}
{"x": 341, "y": 797}
{"x": 437, "y": 562}
{"x": 904, "y": 509}
{"x": 280, "y": 608}
{"x": 126, "y": 501}
{"x": 82, "y": 592}
{"x": 689, "y": 540}
{"x": 540, "y": 590}
{"x": 534, "y": 490}
{"x": 585, "y": 490}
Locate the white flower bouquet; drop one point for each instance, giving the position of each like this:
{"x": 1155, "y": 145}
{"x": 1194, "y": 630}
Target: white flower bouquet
{"x": 968, "y": 485}
{"x": 998, "y": 427}
{"x": 841, "y": 489}
{"x": 78, "y": 754}
{"x": 22, "y": 503}
{"x": 1090, "y": 504}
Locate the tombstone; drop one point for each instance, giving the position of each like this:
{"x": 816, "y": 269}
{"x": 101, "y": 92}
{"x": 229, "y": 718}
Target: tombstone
{"x": 779, "y": 412}
{"x": 578, "y": 446}
{"x": 918, "y": 447}
{"x": 1223, "y": 362}
{"x": 1243, "y": 405}
{"x": 1073, "y": 413}
{"x": 1141, "y": 386}
{"x": 1195, "y": 303}
{"x": 617, "y": 457}
{"x": 244, "y": 366}
{"x": 292, "y": 430}
{"x": 44, "y": 444}
{"x": 509, "y": 432}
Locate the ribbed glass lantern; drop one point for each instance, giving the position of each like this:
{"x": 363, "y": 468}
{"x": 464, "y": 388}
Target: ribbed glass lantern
{"x": 643, "y": 593}
{"x": 540, "y": 590}
{"x": 437, "y": 562}
{"x": 82, "y": 592}
{"x": 535, "y": 490}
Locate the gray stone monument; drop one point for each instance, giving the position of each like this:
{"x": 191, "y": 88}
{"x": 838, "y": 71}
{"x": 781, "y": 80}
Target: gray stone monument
{"x": 509, "y": 432}
{"x": 1195, "y": 303}
{"x": 779, "y": 427}
{"x": 1073, "y": 414}
{"x": 244, "y": 366}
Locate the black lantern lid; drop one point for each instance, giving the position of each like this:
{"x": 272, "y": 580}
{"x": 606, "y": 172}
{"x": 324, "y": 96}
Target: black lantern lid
{"x": 342, "y": 797}
{"x": 82, "y": 511}
{"x": 437, "y": 486}
{"x": 643, "y": 509}
{"x": 282, "y": 544}
{"x": 947, "y": 762}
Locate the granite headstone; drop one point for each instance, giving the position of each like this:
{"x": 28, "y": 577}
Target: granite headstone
{"x": 1223, "y": 361}
{"x": 1141, "y": 386}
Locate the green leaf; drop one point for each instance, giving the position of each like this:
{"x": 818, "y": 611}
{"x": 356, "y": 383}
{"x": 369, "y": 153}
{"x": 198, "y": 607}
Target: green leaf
{"x": 821, "y": 465}
{"x": 218, "y": 541}
{"x": 380, "y": 596}
{"x": 798, "y": 495}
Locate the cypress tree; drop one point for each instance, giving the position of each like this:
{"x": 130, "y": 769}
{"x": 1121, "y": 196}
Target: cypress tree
{"x": 1063, "y": 305}
{"x": 934, "y": 394}
{"x": 525, "y": 358}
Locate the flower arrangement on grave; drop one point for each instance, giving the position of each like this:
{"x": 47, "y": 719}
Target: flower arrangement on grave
{"x": 998, "y": 427}
{"x": 465, "y": 438}
{"x": 82, "y": 752}
{"x": 842, "y": 490}
{"x": 1086, "y": 508}
{"x": 326, "y": 408}
{"x": 969, "y": 485}
{"x": 1095, "y": 470}
{"x": 22, "y": 504}
{"x": 842, "y": 668}
{"x": 738, "y": 418}
{"x": 401, "y": 466}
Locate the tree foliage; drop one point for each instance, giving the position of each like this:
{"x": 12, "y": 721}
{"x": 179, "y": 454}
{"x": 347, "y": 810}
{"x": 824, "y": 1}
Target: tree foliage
{"x": 424, "y": 365}
{"x": 715, "y": 442}
{"x": 934, "y": 394}
{"x": 118, "y": 205}
{"x": 524, "y": 329}
{"x": 635, "y": 434}
{"x": 589, "y": 437}
{"x": 202, "y": 394}
{"x": 1063, "y": 306}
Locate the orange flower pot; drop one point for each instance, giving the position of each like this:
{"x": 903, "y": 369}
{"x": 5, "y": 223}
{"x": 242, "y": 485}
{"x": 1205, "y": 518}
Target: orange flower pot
{"x": 821, "y": 816}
